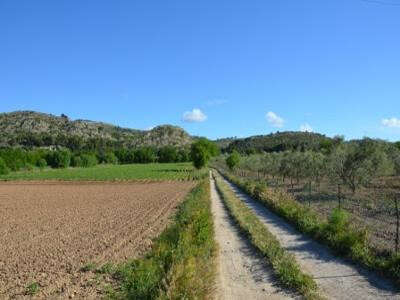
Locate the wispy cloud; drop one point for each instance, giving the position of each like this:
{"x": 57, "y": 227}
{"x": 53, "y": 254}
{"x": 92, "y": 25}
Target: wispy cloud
{"x": 392, "y": 122}
{"x": 216, "y": 102}
{"x": 274, "y": 120}
{"x": 194, "y": 116}
{"x": 306, "y": 128}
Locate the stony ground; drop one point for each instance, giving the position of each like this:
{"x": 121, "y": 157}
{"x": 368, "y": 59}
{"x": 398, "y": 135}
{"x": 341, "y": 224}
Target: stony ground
{"x": 50, "y": 231}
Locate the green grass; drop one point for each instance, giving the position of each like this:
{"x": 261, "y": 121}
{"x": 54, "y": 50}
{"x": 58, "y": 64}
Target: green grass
{"x": 167, "y": 171}
{"x": 32, "y": 289}
{"x": 337, "y": 232}
{"x": 181, "y": 264}
{"x": 284, "y": 264}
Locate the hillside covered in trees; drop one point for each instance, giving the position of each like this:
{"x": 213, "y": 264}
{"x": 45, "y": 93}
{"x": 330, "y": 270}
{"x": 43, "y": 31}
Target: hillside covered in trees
{"x": 33, "y": 129}
{"x": 280, "y": 141}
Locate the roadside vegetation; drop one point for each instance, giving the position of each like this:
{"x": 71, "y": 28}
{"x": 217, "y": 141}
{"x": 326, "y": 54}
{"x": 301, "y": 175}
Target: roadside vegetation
{"x": 284, "y": 264}
{"x": 337, "y": 231}
{"x": 181, "y": 264}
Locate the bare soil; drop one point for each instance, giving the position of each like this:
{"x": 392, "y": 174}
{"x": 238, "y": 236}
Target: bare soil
{"x": 50, "y": 230}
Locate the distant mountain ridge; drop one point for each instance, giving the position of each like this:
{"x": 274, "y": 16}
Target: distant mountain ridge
{"x": 35, "y": 129}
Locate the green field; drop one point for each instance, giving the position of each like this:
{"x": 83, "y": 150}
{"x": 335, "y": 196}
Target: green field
{"x": 167, "y": 171}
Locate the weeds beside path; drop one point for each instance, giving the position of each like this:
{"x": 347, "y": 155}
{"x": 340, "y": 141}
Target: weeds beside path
{"x": 181, "y": 263}
{"x": 283, "y": 264}
{"x": 337, "y": 278}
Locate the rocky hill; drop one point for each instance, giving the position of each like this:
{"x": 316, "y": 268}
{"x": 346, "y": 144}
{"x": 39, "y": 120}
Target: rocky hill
{"x": 34, "y": 129}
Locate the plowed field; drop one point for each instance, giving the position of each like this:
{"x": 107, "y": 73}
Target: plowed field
{"x": 50, "y": 230}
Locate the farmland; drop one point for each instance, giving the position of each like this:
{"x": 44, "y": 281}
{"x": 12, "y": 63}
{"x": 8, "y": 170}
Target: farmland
{"x": 167, "y": 171}
{"x": 52, "y": 231}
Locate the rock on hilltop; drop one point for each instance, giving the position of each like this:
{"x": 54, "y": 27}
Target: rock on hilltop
{"x": 29, "y": 128}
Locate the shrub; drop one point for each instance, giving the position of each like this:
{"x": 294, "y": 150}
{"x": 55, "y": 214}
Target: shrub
{"x": 28, "y": 167}
{"x": 4, "y": 170}
{"x": 111, "y": 158}
{"x": 88, "y": 160}
{"x": 59, "y": 159}
{"x": 76, "y": 161}
{"x": 41, "y": 163}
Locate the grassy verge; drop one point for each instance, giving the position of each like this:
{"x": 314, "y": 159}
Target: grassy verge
{"x": 167, "y": 171}
{"x": 283, "y": 263}
{"x": 336, "y": 232}
{"x": 181, "y": 263}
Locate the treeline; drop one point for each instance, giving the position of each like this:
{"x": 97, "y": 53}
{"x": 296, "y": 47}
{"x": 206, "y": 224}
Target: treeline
{"x": 350, "y": 164}
{"x": 283, "y": 141}
{"x": 15, "y": 159}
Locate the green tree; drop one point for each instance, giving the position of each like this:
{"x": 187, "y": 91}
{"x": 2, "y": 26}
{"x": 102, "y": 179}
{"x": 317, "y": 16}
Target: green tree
{"x": 201, "y": 151}
{"x": 145, "y": 155}
{"x": 233, "y": 160}
{"x": 167, "y": 154}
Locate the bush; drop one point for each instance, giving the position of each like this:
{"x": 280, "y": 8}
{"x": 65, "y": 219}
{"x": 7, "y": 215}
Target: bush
{"x": 4, "y": 170}
{"x": 88, "y": 160}
{"x": 111, "y": 158}
{"x": 76, "y": 161}
{"x": 28, "y": 167}
{"x": 59, "y": 159}
{"x": 41, "y": 163}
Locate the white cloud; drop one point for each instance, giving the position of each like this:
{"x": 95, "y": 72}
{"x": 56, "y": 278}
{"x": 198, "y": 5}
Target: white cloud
{"x": 196, "y": 115}
{"x": 306, "y": 128}
{"x": 393, "y": 122}
{"x": 149, "y": 128}
{"x": 274, "y": 119}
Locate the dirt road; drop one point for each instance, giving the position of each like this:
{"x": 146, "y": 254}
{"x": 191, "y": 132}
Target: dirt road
{"x": 242, "y": 273}
{"x": 336, "y": 278}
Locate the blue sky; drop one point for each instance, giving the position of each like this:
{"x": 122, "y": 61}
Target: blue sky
{"x": 232, "y": 68}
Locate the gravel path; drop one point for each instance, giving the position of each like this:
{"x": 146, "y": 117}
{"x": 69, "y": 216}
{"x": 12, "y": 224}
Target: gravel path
{"x": 242, "y": 273}
{"x": 336, "y": 278}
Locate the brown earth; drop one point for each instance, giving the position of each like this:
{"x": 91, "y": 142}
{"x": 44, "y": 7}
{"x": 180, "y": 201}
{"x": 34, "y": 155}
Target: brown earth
{"x": 50, "y": 230}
